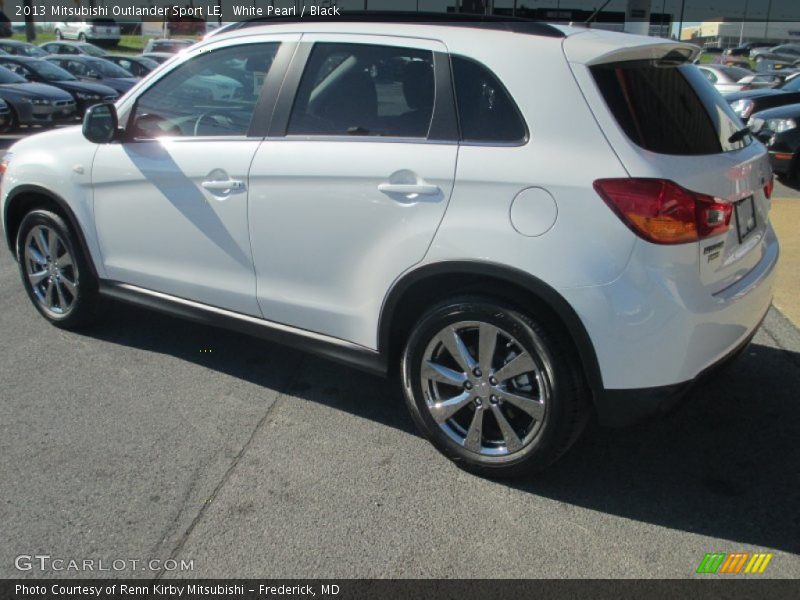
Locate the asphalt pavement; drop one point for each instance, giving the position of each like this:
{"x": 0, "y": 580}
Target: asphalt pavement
{"x": 147, "y": 437}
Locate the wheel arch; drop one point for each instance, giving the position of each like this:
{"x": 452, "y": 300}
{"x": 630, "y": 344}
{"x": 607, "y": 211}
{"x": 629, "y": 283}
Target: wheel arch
{"x": 24, "y": 198}
{"x": 415, "y": 291}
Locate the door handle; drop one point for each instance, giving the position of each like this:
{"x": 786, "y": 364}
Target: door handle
{"x": 221, "y": 186}
{"x": 420, "y": 189}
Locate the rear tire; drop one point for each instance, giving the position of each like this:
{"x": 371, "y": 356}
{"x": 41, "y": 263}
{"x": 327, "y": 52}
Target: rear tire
{"x": 493, "y": 389}
{"x": 55, "y": 273}
{"x": 13, "y": 120}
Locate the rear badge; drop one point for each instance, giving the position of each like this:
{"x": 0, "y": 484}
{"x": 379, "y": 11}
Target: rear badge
{"x": 713, "y": 251}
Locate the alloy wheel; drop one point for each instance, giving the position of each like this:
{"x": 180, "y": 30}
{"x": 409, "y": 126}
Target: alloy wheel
{"x": 483, "y": 388}
{"x": 51, "y": 271}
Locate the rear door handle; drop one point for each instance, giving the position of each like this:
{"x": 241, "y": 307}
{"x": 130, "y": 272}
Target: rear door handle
{"x": 420, "y": 189}
{"x": 220, "y": 186}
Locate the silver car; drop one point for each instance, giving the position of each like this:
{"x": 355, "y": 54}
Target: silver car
{"x": 726, "y": 79}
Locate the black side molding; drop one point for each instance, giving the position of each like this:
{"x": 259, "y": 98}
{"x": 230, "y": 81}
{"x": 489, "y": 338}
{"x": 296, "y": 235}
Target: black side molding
{"x": 335, "y": 349}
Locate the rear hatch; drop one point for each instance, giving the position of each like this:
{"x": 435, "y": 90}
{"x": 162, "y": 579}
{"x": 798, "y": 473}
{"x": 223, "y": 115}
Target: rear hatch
{"x": 666, "y": 121}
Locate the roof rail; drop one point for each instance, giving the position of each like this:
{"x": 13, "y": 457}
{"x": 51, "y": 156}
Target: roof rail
{"x": 510, "y": 24}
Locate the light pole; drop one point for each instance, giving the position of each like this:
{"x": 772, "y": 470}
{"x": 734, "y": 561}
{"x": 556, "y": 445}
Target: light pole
{"x": 766, "y": 25}
{"x": 744, "y": 18}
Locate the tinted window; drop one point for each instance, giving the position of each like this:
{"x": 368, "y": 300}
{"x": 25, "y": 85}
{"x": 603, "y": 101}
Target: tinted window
{"x": 7, "y": 76}
{"x": 668, "y": 109}
{"x": 736, "y": 73}
{"x": 486, "y": 112}
{"x": 709, "y": 74}
{"x": 212, "y": 94}
{"x": 50, "y": 71}
{"x": 355, "y": 89}
{"x": 792, "y": 85}
{"x": 107, "y": 68}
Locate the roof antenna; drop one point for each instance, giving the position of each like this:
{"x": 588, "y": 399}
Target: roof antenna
{"x": 588, "y": 21}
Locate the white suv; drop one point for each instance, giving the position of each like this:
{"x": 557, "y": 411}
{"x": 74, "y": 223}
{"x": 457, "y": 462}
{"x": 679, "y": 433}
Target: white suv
{"x": 89, "y": 30}
{"x": 528, "y": 222}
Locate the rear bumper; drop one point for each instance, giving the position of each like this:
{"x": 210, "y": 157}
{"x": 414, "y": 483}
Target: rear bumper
{"x": 618, "y": 408}
{"x": 657, "y": 331}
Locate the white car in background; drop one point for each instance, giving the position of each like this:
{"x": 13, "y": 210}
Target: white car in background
{"x": 406, "y": 198}
{"x": 727, "y": 79}
{"x": 99, "y": 31}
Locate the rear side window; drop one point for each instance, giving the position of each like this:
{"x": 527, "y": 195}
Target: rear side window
{"x": 365, "y": 90}
{"x": 668, "y": 109}
{"x": 486, "y": 112}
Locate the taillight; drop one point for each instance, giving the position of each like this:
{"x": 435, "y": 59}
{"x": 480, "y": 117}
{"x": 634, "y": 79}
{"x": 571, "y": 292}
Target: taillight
{"x": 769, "y": 186}
{"x": 663, "y": 212}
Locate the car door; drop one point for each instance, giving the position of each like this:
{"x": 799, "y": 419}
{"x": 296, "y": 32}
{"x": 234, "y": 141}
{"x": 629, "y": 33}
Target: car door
{"x": 348, "y": 189}
{"x": 170, "y": 201}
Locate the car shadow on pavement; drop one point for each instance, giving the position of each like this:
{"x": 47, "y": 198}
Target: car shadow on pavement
{"x": 726, "y": 464}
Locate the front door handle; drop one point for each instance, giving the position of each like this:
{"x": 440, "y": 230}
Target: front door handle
{"x": 221, "y": 186}
{"x": 407, "y": 189}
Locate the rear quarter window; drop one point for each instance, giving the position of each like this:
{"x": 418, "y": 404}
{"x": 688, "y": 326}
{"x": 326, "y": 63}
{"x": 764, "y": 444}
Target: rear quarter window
{"x": 668, "y": 109}
{"x": 486, "y": 111}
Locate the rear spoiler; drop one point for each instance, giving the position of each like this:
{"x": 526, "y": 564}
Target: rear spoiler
{"x": 597, "y": 47}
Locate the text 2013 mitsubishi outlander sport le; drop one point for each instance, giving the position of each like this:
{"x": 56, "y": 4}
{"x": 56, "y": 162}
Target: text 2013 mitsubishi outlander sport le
{"x": 528, "y": 222}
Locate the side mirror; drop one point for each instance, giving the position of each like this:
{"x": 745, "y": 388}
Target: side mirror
{"x": 100, "y": 123}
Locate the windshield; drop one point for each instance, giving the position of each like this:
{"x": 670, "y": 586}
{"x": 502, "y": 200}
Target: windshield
{"x": 736, "y": 73}
{"x": 49, "y": 72}
{"x": 93, "y": 50}
{"x": 107, "y": 69}
{"x": 34, "y": 51}
{"x": 147, "y": 62}
{"x": 792, "y": 85}
{"x": 7, "y": 76}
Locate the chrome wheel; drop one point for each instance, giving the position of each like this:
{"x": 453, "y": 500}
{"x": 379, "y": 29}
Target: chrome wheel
{"x": 483, "y": 388}
{"x": 51, "y": 271}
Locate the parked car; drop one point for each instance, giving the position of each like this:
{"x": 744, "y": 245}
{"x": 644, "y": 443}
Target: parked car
{"x": 168, "y": 45}
{"x": 21, "y": 48}
{"x": 725, "y": 79}
{"x": 73, "y": 48}
{"x": 37, "y": 70}
{"x": 766, "y": 79}
{"x": 34, "y": 103}
{"x": 746, "y": 48}
{"x": 101, "y": 31}
{"x": 512, "y": 292}
{"x": 732, "y": 61}
{"x": 138, "y": 66}
{"x": 785, "y": 52}
{"x": 89, "y": 68}
{"x": 778, "y": 129}
{"x": 746, "y": 103}
{"x": 159, "y": 57}
{"x": 5, "y": 117}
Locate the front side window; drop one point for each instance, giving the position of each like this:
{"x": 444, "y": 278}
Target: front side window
{"x": 209, "y": 95}
{"x": 365, "y": 90}
{"x": 486, "y": 112}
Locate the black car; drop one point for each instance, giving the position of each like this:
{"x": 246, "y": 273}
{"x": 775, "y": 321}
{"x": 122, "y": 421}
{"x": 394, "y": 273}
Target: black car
{"x": 34, "y": 103}
{"x": 37, "y": 70}
{"x": 747, "y": 48}
{"x": 159, "y": 57}
{"x": 73, "y": 48}
{"x": 139, "y": 66}
{"x": 779, "y": 130}
{"x": 17, "y": 48}
{"x": 89, "y": 68}
{"x": 5, "y": 117}
{"x": 746, "y": 103}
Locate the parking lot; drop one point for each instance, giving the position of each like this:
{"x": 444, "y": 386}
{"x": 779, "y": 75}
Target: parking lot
{"x": 149, "y": 438}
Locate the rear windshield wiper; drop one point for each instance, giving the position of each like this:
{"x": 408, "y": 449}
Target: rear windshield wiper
{"x": 739, "y": 135}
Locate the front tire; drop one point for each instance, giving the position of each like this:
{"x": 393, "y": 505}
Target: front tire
{"x": 492, "y": 388}
{"x": 55, "y": 273}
